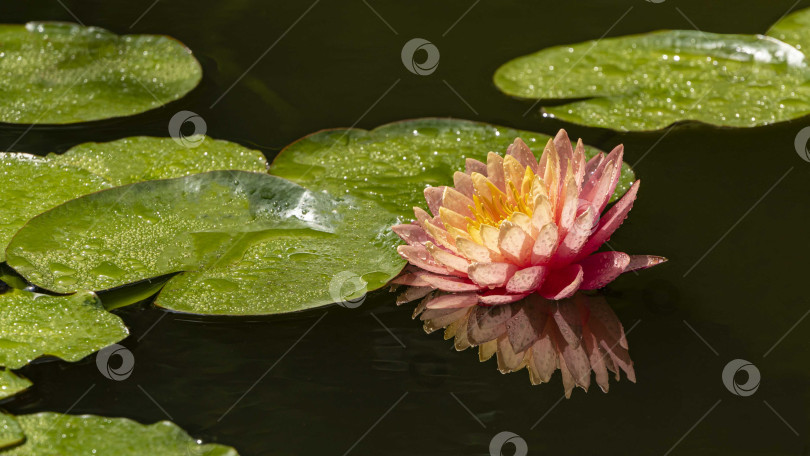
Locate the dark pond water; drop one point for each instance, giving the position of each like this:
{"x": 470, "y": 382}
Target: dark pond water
{"x": 728, "y": 207}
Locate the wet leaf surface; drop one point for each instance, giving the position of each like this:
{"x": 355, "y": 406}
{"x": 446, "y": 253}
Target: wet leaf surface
{"x": 649, "y": 81}
{"x": 68, "y": 327}
{"x": 60, "y": 73}
{"x": 57, "y": 434}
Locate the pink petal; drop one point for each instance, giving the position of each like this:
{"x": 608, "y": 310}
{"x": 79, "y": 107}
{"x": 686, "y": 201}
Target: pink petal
{"x": 433, "y": 196}
{"x": 563, "y": 145}
{"x": 419, "y": 256}
{"x": 604, "y": 323}
{"x": 596, "y": 359}
{"x": 475, "y": 166}
{"x": 411, "y": 279}
{"x": 448, "y": 259}
{"x": 523, "y": 154}
{"x": 620, "y": 358}
{"x": 576, "y": 362}
{"x": 569, "y": 322}
{"x": 498, "y": 299}
{"x": 545, "y": 245}
{"x": 525, "y": 325}
{"x": 453, "y": 301}
{"x": 446, "y": 283}
{"x": 463, "y": 183}
{"x": 526, "y": 280}
{"x": 495, "y": 171}
{"x": 562, "y": 283}
{"x": 515, "y": 244}
{"x": 457, "y": 202}
{"x": 411, "y": 233}
{"x": 643, "y": 262}
{"x": 617, "y": 155}
{"x": 579, "y": 163}
{"x": 610, "y": 222}
{"x": 576, "y": 238}
{"x": 602, "y": 268}
{"x": 491, "y": 274}
{"x": 487, "y": 323}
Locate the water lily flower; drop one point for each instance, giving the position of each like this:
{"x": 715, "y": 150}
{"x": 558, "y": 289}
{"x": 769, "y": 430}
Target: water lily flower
{"x": 517, "y": 226}
{"x": 502, "y": 257}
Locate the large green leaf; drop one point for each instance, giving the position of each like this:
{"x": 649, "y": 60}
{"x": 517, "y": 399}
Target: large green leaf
{"x": 11, "y": 384}
{"x": 10, "y": 431}
{"x": 69, "y": 327}
{"x": 147, "y": 229}
{"x": 647, "y": 82}
{"x": 58, "y": 73}
{"x": 32, "y": 185}
{"x": 253, "y": 243}
{"x": 794, "y": 29}
{"x": 51, "y": 433}
{"x": 393, "y": 164}
{"x": 142, "y": 158}
{"x": 293, "y": 273}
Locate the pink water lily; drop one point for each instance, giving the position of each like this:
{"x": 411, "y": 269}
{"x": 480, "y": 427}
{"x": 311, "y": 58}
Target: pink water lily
{"x": 515, "y": 226}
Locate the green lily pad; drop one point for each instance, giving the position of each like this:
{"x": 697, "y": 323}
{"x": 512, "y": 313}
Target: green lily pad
{"x": 148, "y": 229}
{"x": 293, "y": 273}
{"x": 142, "y": 158}
{"x": 10, "y": 431}
{"x": 794, "y": 29}
{"x": 51, "y": 433}
{"x": 647, "y": 82}
{"x": 60, "y": 73}
{"x": 392, "y": 164}
{"x": 68, "y": 327}
{"x": 34, "y": 184}
{"x": 253, "y": 243}
{"x": 11, "y": 384}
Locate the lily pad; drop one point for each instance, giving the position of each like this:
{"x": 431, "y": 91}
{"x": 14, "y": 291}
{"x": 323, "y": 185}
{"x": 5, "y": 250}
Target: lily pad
{"x": 142, "y": 158}
{"x": 51, "y": 433}
{"x": 60, "y": 73}
{"x": 254, "y": 243}
{"x": 392, "y": 164}
{"x": 34, "y": 184}
{"x": 647, "y": 82}
{"x": 68, "y": 327}
{"x": 794, "y": 29}
{"x": 10, "y": 431}
{"x": 11, "y": 384}
{"x": 293, "y": 273}
{"x": 148, "y": 229}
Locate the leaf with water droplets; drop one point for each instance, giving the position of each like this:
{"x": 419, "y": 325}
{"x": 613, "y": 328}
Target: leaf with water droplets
{"x": 794, "y": 29}
{"x": 142, "y": 158}
{"x": 34, "y": 184}
{"x": 393, "y": 163}
{"x": 60, "y": 73}
{"x": 50, "y": 433}
{"x": 10, "y": 431}
{"x": 647, "y": 82}
{"x": 250, "y": 243}
{"x": 11, "y": 384}
{"x": 68, "y": 327}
